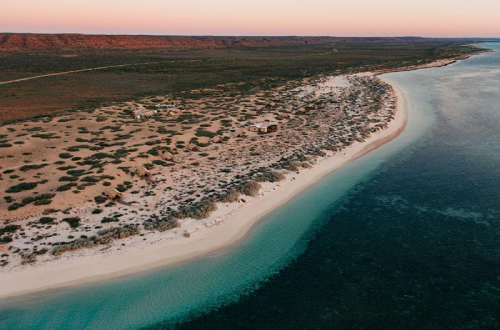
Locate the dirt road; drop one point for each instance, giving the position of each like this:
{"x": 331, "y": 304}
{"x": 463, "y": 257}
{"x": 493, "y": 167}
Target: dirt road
{"x": 83, "y": 70}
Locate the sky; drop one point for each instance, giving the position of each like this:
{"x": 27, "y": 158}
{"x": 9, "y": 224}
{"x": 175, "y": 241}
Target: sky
{"x": 428, "y": 18}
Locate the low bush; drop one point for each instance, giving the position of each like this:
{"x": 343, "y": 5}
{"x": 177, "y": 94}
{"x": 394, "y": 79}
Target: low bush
{"x": 161, "y": 225}
{"x": 15, "y": 206}
{"x": 230, "y": 197}
{"x": 269, "y": 176}
{"x": 90, "y": 178}
{"x": 249, "y": 188}
{"x": 9, "y": 229}
{"x": 68, "y": 178}
{"x": 5, "y": 239}
{"x": 46, "y": 220}
{"x": 22, "y": 187}
{"x": 73, "y": 222}
{"x": 202, "y": 133}
{"x": 103, "y": 237}
{"x": 37, "y": 198}
{"x": 160, "y": 162}
{"x": 199, "y": 210}
{"x": 42, "y": 202}
{"x": 109, "y": 219}
{"x": 32, "y": 167}
{"x": 66, "y": 187}
{"x": 100, "y": 199}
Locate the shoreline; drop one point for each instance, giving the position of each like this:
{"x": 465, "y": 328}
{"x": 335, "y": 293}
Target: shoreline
{"x": 435, "y": 64}
{"x": 223, "y": 236}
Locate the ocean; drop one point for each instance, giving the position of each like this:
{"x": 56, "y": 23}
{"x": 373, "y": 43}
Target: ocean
{"x": 406, "y": 237}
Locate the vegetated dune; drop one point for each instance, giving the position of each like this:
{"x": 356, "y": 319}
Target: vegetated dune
{"x": 25, "y": 41}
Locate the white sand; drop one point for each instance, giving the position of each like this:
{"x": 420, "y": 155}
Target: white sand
{"x": 227, "y": 227}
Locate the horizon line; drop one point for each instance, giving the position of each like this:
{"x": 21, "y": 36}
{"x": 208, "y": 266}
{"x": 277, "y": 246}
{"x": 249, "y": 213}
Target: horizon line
{"x": 243, "y": 35}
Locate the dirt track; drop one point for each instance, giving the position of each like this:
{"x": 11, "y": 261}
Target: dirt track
{"x": 84, "y": 70}
{"x": 68, "y": 72}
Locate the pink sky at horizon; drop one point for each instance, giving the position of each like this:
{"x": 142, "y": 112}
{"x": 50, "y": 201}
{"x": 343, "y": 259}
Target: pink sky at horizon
{"x": 429, "y": 18}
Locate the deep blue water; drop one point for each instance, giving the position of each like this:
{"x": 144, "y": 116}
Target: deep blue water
{"x": 407, "y": 237}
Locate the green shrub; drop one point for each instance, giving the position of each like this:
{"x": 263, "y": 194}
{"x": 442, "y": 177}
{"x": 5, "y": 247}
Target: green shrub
{"x": 109, "y": 219}
{"x": 66, "y": 187}
{"x": 36, "y": 198}
{"x": 90, "y": 178}
{"x": 68, "y": 178}
{"x": 202, "y": 132}
{"x": 160, "y": 162}
{"x": 9, "y": 229}
{"x": 66, "y": 168}
{"x": 15, "y": 206}
{"x": 76, "y": 172}
{"x": 32, "y": 167}
{"x": 21, "y": 187}
{"x": 43, "y": 202}
{"x": 73, "y": 222}
{"x": 100, "y": 199}
{"x": 46, "y": 220}
{"x": 5, "y": 239}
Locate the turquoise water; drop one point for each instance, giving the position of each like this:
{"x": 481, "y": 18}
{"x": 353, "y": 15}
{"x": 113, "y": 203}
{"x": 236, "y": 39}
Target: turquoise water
{"x": 408, "y": 236}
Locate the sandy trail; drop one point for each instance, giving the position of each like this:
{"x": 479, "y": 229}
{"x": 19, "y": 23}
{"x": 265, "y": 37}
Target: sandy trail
{"x": 82, "y": 70}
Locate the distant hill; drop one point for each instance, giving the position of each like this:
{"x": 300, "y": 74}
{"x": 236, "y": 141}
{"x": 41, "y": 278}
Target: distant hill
{"x": 25, "y": 41}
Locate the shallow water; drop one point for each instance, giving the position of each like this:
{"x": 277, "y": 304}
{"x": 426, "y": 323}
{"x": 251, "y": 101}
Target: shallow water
{"x": 406, "y": 237}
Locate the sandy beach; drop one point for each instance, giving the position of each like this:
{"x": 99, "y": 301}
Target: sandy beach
{"x": 222, "y": 231}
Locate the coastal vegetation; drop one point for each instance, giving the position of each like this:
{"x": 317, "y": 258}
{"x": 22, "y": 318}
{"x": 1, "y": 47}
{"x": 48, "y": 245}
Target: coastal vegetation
{"x": 170, "y": 71}
{"x": 103, "y": 237}
{"x": 98, "y": 173}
